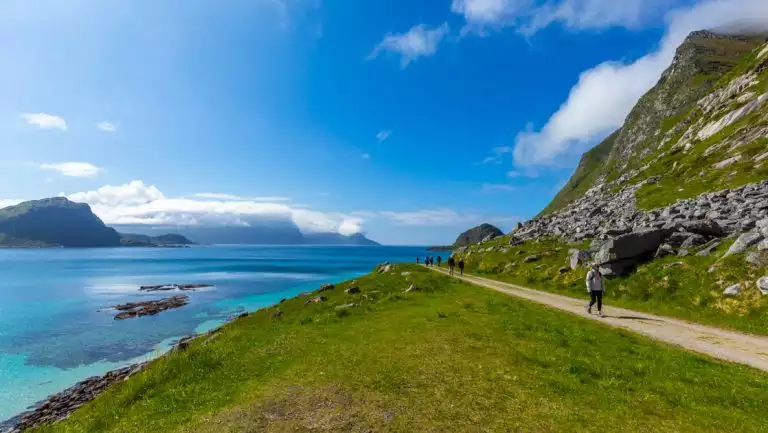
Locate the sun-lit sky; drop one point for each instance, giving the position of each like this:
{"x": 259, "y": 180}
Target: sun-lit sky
{"x": 409, "y": 120}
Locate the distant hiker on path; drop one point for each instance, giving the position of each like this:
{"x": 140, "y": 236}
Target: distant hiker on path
{"x": 461, "y": 266}
{"x": 417, "y": 260}
{"x": 451, "y": 264}
{"x": 439, "y": 260}
{"x": 595, "y": 287}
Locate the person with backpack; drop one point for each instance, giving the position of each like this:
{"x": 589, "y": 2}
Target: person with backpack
{"x": 461, "y": 266}
{"x": 451, "y": 264}
{"x": 595, "y": 287}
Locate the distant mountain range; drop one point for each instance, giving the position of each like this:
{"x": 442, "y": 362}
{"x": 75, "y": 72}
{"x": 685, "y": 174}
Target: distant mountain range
{"x": 58, "y": 222}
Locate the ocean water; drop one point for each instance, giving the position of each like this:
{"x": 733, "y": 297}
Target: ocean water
{"x": 55, "y": 331}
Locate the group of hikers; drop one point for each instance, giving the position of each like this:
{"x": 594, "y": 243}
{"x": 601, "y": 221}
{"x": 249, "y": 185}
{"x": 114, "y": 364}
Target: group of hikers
{"x": 595, "y": 281}
{"x": 430, "y": 261}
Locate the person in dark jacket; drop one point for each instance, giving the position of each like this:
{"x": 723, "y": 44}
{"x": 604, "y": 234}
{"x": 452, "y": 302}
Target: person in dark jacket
{"x": 439, "y": 260}
{"x": 451, "y": 264}
{"x": 461, "y": 266}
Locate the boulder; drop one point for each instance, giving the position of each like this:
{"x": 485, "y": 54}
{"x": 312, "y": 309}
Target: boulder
{"x": 709, "y": 247}
{"x": 695, "y": 240}
{"x": 353, "y": 290}
{"x": 704, "y": 227}
{"x": 578, "y": 258}
{"x": 757, "y": 258}
{"x": 531, "y": 259}
{"x": 743, "y": 242}
{"x": 277, "y": 314}
{"x": 564, "y": 270}
{"x": 663, "y": 251}
{"x": 326, "y": 287}
{"x": 631, "y": 245}
{"x": 412, "y": 288}
{"x": 316, "y": 300}
{"x": 762, "y": 227}
{"x": 763, "y": 245}
{"x": 385, "y": 268}
{"x": 762, "y": 285}
{"x": 732, "y": 290}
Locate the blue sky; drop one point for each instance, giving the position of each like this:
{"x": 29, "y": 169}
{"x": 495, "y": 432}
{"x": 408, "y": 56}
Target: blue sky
{"x": 408, "y": 120}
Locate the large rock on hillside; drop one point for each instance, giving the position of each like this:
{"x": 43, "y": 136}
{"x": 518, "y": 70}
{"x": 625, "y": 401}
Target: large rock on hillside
{"x": 477, "y": 234}
{"x": 620, "y": 253}
{"x": 54, "y": 222}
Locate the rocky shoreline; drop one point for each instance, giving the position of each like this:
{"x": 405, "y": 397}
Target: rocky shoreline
{"x": 59, "y": 406}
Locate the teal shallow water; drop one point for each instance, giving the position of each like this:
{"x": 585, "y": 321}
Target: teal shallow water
{"x": 54, "y": 331}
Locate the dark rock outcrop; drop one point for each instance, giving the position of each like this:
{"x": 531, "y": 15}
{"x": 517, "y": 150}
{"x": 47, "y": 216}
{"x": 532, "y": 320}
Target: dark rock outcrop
{"x": 477, "y": 234}
{"x": 168, "y": 287}
{"x": 149, "y": 308}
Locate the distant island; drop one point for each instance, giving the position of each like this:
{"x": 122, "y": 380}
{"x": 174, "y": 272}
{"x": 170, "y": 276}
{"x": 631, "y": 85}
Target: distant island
{"x": 59, "y": 222}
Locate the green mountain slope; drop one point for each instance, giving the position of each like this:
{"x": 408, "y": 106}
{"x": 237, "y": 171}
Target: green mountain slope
{"x": 54, "y": 222}
{"x": 704, "y": 69}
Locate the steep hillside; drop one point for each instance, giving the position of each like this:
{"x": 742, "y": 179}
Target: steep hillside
{"x": 708, "y": 78}
{"x": 54, "y": 222}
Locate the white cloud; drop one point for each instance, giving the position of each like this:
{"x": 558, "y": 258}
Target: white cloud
{"x": 107, "y": 126}
{"x": 366, "y": 156}
{"x": 419, "y": 41}
{"x": 9, "y": 202}
{"x": 383, "y": 135}
{"x": 74, "y": 169}
{"x": 529, "y": 16}
{"x": 492, "y": 188}
{"x": 219, "y": 196}
{"x": 45, "y": 121}
{"x": 604, "y": 95}
{"x": 139, "y": 203}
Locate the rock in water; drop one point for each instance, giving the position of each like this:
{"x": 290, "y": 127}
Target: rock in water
{"x": 732, "y": 290}
{"x": 743, "y": 242}
{"x": 149, "y": 308}
{"x": 762, "y": 285}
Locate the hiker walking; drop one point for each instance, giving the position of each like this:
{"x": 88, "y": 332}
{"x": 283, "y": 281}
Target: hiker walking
{"x": 451, "y": 264}
{"x": 426, "y": 261}
{"x": 595, "y": 287}
{"x": 439, "y": 260}
{"x": 461, "y": 266}
{"x": 417, "y": 260}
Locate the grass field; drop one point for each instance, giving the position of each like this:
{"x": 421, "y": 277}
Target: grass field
{"x": 688, "y": 287}
{"x": 452, "y": 357}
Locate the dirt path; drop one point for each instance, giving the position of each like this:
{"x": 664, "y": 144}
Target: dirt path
{"x": 727, "y": 345}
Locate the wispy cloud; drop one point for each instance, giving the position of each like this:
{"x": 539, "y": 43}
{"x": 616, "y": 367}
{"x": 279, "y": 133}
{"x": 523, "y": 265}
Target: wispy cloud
{"x": 45, "y": 121}
{"x": 383, "y": 135}
{"x": 419, "y": 41}
{"x": 366, "y": 156}
{"x": 529, "y": 17}
{"x": 445, "y": 218}
{"x": 220, "y": 196}
{"x": 497, "y": 154}
{"x": 107, "y": 126}
{"x": 493, "y": 188}
{"x": 74, "y": 169}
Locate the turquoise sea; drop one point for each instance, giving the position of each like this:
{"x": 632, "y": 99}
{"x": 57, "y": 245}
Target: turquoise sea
{"x": 54, "y": 331}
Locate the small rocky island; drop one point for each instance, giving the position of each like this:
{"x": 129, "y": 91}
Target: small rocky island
{"x": 168, "y": 287}
{"x": 149, "y": 308}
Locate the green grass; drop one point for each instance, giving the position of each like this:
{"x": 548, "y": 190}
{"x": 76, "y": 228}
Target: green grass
{"x": 454, "y": 357}
{"x": 674, "y": 286}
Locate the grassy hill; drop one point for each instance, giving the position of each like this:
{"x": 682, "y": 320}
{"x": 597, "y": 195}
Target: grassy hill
{"x": 451, "y": 357}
